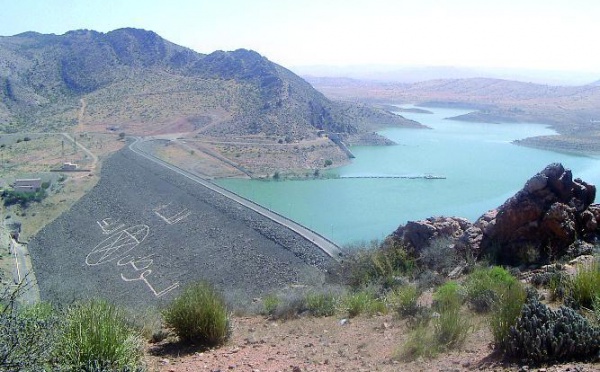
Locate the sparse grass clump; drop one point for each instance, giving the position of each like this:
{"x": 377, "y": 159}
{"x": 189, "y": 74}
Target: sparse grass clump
{"x": 451, "y": 326}
{"x": 377, "y": 264}
{"x": 404, "y": 300}
{"x": 321, "y": 304}
{"x": 26, "y": 335}
{"x": 506, "y": 311}
{"x": 270, "y": 304}
{"x": 199, "y": 315}
{"x": 96, "y": 336}
{"x": 585, "y": 285}
{"x": 484, "y": 286}
{"x": 420, "y": 344}
{"x": 363, "y": 302}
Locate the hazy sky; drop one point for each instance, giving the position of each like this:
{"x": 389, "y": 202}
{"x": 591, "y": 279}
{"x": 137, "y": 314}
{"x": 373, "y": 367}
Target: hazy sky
{"x": 537, "y": 34}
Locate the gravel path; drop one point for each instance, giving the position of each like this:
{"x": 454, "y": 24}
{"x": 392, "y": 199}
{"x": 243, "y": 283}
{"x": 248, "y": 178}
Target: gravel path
{"x": 143, "y": 232}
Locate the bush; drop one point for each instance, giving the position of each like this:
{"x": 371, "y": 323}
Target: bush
{"x": 404, "y": 300}
{"x": 585, "y": 285}
{"x": 440, "y": 256}
{"x": 451, "y": 327}
{"x": 26, "y": 335}
{"x": 270, "y": 303}
{"x": 559, "y": 285}
{"x": 363, "y": 302}
{"x": 12, "y": 197}
{"x": 321, "y": 304}
{"x": 506, "y": 311}
{"x": 199, "y": 315}
{"x": 287, "y": 305}
{"x": 542, "y": 335}
{"x": 449, "y": 295}
{"x": 484, "y": 286}
{"x": 96, "y": 336}
{"x": 374, "y": 264}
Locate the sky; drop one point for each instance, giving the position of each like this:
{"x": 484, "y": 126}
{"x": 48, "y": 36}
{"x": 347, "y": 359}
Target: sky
{"x": 516, "y": 34}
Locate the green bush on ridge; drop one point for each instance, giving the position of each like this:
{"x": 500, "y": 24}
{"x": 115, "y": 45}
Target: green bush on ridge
{"x": 199, "y": 315}
{"x": 484, "y": 286}
{"x": 96, "y": 336}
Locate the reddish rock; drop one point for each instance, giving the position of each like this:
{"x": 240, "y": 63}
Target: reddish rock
{"x": 416, "y": 235}
{"x": 548, "y": 215}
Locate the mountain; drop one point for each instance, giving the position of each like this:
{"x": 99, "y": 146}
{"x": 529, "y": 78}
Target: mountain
{"x": 409, "y": 75}
{"x": 135, "y": 80}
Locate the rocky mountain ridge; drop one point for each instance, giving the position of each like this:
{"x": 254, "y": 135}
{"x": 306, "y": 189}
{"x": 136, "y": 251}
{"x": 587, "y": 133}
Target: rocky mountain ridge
{"x": 135, "y": 76}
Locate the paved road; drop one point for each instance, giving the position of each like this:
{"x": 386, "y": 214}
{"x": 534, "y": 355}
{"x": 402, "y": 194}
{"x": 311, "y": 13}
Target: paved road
{"x": 23, "y": 275}
{"x": 320, "y": 241}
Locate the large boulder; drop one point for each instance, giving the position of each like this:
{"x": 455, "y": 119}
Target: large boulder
{"x": 552, "y": 216}
{"x": 542, "y": 220}
{"x": 417, "y": 235}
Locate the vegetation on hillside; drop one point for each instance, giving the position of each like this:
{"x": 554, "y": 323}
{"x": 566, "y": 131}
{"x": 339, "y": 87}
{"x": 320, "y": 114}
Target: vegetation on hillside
{"x": 129, "y": 77}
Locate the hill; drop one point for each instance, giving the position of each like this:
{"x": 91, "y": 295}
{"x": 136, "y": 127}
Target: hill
{"x": 571, "y": 110}
{"x": 133, "y": 80}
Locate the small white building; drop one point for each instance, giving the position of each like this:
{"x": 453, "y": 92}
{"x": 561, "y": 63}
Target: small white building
{"x": 27, "y": 185}
{"x": 69, "y": 166}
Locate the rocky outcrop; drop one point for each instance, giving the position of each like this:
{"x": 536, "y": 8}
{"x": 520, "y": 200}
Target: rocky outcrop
{"x": 552, "y": 216}
{"x": 542, "y": 220}
{"x": 417, "y": 235}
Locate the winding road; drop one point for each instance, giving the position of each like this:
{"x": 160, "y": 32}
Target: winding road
{"x": 326, "y": 245}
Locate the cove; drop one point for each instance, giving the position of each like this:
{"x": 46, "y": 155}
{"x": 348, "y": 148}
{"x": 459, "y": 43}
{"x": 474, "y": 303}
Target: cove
{"x": 480, "y": 167}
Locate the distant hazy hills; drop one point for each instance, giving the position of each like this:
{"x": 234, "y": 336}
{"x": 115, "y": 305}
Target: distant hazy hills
{"x": 408, "y": 75}
{"x": 132, "y": 77}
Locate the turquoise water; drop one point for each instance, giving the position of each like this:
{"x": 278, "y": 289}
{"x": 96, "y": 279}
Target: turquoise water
{"x": 480, "y": 165}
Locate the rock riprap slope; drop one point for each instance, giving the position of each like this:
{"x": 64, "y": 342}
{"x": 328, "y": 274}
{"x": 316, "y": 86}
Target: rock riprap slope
{"x": 144, "y": 232}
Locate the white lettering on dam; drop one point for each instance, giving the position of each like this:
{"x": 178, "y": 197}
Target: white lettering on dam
{"x": 118, "y": 247}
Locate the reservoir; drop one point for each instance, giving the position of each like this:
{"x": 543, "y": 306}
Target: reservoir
{"x": 455, "y": 168}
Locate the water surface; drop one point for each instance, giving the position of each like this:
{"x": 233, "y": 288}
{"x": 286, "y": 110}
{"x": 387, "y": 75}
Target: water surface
{"x": 480, "y": 165}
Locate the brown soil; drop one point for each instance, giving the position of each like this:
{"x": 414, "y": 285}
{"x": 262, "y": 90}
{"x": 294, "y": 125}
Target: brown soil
{"x": 326, "y": 344}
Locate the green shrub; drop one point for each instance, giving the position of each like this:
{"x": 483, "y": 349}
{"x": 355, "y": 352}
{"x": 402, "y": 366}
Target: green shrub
{"x": 449, "y": 295}
{"x": 199, "y": 315}
{"x": 506, "y": 311}
{"x": 26, "y": 335}
{"x": 270, "y": 303}
{"x": 12, "y": 197}
{"x": 451, "y": 327}
{"x": 285, "y": 305}
{"x": 542, "y": 335}
{"x": 321, "y": 304}
{"x": 559, "y": 285}
{"x": 484, "y": 286}
{"x": 585, "y": 285}
{"x": 363, "y": 302}
{"x": 405, "y": 300}
{"x": 96, "y": 335}
{"x": 375, "y": 264}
